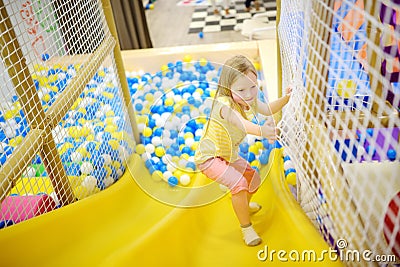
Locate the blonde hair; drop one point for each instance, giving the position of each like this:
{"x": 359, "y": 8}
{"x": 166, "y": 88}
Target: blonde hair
{"x": 231, "y": 71}
{"x": 233, "y": 68}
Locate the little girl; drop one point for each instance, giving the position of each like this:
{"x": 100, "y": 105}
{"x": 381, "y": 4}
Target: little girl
{"x": 229, "y": 122}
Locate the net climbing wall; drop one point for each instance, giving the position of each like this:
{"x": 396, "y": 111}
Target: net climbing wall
{"x": 65, "y": 122}
{"x": 341, "y": 126}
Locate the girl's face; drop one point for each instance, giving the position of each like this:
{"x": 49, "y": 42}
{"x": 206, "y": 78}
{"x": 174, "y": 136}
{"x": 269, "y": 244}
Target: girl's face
{"x": 244, "y": 89}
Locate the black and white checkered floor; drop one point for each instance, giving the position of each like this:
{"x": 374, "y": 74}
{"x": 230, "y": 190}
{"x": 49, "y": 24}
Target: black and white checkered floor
{"x": 204, "y": 20}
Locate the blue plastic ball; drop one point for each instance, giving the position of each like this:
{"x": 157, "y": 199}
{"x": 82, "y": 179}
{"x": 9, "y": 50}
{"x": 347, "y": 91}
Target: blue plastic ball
{"x": 244, "y": 147}
{"x": 289, "y": 171}
{"x": 251, "y": 156}
{"x": 45, "y": 57}
{"x": 173, "y": 181}
{"x": 391, "y": 154}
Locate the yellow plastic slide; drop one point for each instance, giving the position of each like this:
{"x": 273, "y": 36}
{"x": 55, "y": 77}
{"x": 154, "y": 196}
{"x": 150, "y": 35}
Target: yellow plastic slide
{"x": 124, "y": 226}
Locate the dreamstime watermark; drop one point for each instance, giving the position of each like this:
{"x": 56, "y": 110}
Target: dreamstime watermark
{"x": 310, "y": 255}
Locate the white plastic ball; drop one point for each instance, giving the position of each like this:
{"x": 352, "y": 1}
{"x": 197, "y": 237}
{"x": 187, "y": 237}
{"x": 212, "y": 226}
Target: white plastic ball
{"x": 89, "y": 182}
{"x": 107, "y": 159}
{"x": 167, "y": 142}
{"x": 108, "y": 181}
{"x": 156, "y": 141}
{"x": 76, "y": 157}
{"x": 288, "y": 165}
{"x": 86, "y": 167}
{"x": 155, "y": 159}
{"x": 177, "y": 98}
{"x": 184, "y": 179}
{"x": 10, "y": 132}
{"x": 196, "y": 95}
{"x": 194, "y": 113}
{"x": 186, "y": 95}
{"x": 166, "y": 115}
{"x": 158, "y": 95}
{"x": 156, "y": 116}
{"x": 166, "y": 159}
{"x": 160, "y": 123}
{"x": 198, "y": 132}
{"x": 150, "y": 148}
{"x": 166, "y": 134}
{"x": 189, "y": 142}
{"x": 185, "y": 118}
{"x": 167, "y": 174}
{"x": 30, "y": 172}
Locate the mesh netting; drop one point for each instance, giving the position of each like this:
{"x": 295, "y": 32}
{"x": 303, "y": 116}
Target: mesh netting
{"x": 65, "y": 132}
{"x": 341, "y": 126}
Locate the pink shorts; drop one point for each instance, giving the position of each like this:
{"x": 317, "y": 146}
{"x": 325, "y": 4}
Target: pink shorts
{"x": 237, "y": 176}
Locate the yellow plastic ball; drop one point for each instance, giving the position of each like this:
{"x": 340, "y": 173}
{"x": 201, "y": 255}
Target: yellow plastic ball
{"x": 114, "y": 144}
{"x": 213, "y": 92}
{"x": 142, "y": 119}
{"x": 291, "y": 178}
{"x": 194, "y": 146}
{"x": 110, "y": 113}
{"x": 346, "y": 88}
{"x": 254, "y": 149}
{"x": 147, "y": 132}
{"x": 203, "y": 62}
{"x": 8, "y": 114}
{"x": 82, "y": 110}
{"x": 117, "y": 135}
{"x": 109, "y": 120}
{"x": 90, "y": 137}
{"x": 140, "y": 149}
{"x": 159, "y": 151}
{"x": 116, "y": 164}
{"x": 46, "y": 98}
{"x": 177, "y": 173}
{"x": 200, "y": 91}
{"x": 255, "y": 163}
{"x": 257, "y": 66}
{"x": 149, "y": 97}
{"x": 111, "y": 128}
{"x": 185, "y": 156}
{"x": 169, "y": 102}
{"x": 188, "y": 135}
{"x": 101, "y": 73}
{"x": 187, "y": 58}
{"x": 164, "y": 69}
{"x": 259, "y": 145}
{"x": 85, "y": 131}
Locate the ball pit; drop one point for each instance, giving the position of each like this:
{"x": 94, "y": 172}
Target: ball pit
{"x": 172, "y": 106}
{"x": 91, "y": 139}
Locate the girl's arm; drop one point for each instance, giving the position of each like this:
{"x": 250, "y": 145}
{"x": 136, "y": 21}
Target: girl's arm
{"x": 274, "y": 106}
{"x": 235, "y": 118}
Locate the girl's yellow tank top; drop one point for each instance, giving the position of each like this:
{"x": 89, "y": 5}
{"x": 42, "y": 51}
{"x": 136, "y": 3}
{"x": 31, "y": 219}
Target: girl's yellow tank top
{"x": 220, "y": 139}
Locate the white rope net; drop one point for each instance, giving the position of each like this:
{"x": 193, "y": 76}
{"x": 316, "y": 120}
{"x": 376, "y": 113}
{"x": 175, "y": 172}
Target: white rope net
{"x": 341, "y": 126}
{"x": 64, "y": 127}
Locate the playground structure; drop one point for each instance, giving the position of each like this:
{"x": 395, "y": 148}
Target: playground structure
{"x": 69, "y": 131}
